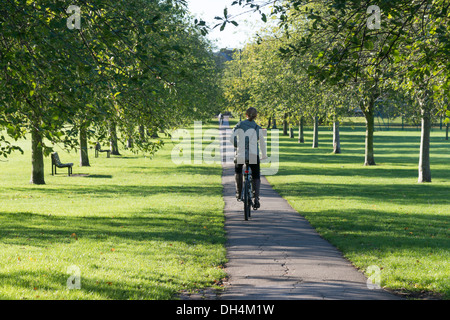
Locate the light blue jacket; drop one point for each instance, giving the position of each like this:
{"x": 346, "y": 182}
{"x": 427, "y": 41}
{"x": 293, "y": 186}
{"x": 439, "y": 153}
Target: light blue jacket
{"x": 245, "y": 137}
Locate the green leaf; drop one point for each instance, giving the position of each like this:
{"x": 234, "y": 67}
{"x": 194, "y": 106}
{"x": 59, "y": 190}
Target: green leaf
{"x": 263, "y": 17}
{"x": 368, "y": 45}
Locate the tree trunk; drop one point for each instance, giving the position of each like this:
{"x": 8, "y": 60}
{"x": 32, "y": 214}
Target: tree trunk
{"x": 424, "y": 159}
{"x": 291, "y": 132}
{"x": 316, "y": 133}
{"x": 84, "y": 155}
{"x": 142, "y": 133}
{"x": 154, "y": 134}
{"x": 285, "y": 125}
{"x": 301, "y": 138}
{"x": 130, "y": 143}
{"x": 336, "y": 138}
{"x": 446, "y": 132}
{"x": 113, "y": 140}
{"x": 268, "y": 125}
{"x": 37, "y": 157}
{"x": 274, "y": 123}
{"x": 370, "y": 126}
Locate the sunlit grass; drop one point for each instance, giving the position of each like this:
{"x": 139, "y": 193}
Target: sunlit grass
{"x": 376, "y": 215}
{"x": 137, "y": 228}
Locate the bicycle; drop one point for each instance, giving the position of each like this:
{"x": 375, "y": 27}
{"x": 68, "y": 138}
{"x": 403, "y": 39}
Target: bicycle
{"x": 247, "y": 192}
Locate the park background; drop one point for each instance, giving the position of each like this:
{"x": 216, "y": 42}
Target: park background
{"x": 364, "y": 151}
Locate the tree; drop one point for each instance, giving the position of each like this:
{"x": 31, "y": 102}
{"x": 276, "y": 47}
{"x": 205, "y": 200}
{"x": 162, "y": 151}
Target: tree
{"x": 126, "y": 67}
{"x": 353, "y": 50}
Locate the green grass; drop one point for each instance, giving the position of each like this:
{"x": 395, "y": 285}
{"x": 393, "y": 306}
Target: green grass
{"x": 137, "y": 228}
{"x": 140, "y": 228}
{"x": 376, "y": 215}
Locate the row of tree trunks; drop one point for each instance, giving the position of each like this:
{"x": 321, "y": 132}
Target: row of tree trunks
{"x": 336, "y": 136}
{"x": 37, "y": 176}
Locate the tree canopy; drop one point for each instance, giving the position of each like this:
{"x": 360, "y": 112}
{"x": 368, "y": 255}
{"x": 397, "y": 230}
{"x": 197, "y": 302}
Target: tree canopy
{"x": 127, "y": 66}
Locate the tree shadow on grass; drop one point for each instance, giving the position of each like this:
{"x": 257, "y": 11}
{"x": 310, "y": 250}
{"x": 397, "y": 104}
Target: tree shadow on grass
{"x": 46, "y": 281}
{"x": 114, "y": 191}
{"x": 165, "y": 224}
{"x": 347, "y": 170}
{"x": 407, "y": 194}
{"x": 382, "y": 230}
{"x": 163, "y": 231}
{"x": 205, "y": 170}
{"x": 372, "y": 235}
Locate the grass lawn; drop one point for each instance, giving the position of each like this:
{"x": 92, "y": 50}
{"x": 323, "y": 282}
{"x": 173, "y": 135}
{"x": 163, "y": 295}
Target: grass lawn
{"x": 375, "y": 215}
{"x": 134, "y": 227}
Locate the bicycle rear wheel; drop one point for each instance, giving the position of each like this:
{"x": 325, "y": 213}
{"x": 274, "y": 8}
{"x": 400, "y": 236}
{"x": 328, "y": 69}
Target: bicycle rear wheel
{"x": 249, "y": 197}
{"x": 247, "y": 201}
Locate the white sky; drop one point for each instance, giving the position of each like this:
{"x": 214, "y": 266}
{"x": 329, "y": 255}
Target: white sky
{"x": 231, "y": 37}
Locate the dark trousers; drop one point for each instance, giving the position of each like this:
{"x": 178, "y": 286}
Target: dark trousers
{"x": 256, "y": 171}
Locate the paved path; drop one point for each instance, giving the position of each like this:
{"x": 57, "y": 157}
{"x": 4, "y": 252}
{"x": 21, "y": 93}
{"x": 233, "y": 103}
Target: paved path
{"x": 277, "y": 255}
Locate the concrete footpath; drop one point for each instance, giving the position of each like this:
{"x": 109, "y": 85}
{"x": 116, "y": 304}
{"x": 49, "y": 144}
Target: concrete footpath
{"x": 277, "y": 255}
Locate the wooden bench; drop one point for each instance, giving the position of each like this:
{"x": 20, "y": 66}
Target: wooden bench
{"x": 98, "y": 149}
{"x": 56, "y": 163}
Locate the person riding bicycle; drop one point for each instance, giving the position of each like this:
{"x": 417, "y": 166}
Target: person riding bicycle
{"x": 245, "y": 137}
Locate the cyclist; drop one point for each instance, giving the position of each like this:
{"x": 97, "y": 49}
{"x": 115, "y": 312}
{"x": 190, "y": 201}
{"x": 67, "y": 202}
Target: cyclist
{"x": 245, "y": 137}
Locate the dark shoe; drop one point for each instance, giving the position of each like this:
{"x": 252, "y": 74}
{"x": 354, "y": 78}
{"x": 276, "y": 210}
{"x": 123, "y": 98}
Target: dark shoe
{"x": 256, "y": 184}
{"x": 256, "y": 204}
